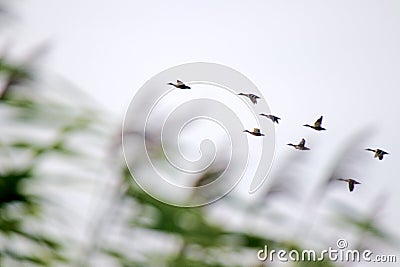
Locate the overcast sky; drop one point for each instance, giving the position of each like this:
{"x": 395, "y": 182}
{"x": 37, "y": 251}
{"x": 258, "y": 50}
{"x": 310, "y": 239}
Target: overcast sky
{"x": 339, "y": 59}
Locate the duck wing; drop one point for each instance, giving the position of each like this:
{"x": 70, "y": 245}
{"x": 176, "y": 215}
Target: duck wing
{"x": 318, "y": 122}
{"x": 351, "y": 185}
{"x": 275, "y": 118}
{"x": 302, "y": 142}
{"x": 253, "y": 98}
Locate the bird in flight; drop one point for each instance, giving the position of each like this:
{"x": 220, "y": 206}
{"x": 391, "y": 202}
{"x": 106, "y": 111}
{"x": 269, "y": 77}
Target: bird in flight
{"x": 252, "y": 97}
{"x": 317, "y": 125}
{"x": 271, "y": 117}
{"x": 255, "y": 132}
{"x": 301, "y": 145}
{"x": 179, "y": 85}
{"x": 351, "y": 183}
{"x": 379, "y": 153}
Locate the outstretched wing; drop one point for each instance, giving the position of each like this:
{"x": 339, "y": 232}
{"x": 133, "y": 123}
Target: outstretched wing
{"x": 178, "y": 83}
{"x": 302, "y": 142}
{"x": 253, "y": 98}
{"x": 275, "y": 118}
{"x": 351, "y": 185}
{"x": 380, "y": 151}
{"x": 253, "y": 95}
{"x": 318, "y": 122}
{"x": 256, "y": 130}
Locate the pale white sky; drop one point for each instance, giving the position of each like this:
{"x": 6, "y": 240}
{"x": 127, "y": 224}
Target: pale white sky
{"x": 339, "y": 59}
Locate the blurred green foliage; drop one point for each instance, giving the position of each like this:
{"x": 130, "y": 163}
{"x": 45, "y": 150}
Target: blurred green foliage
{"x": 21, "y": 211}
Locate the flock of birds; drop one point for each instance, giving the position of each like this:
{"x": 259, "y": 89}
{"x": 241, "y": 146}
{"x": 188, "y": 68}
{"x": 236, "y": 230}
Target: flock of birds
{"x": 378, "y": 153}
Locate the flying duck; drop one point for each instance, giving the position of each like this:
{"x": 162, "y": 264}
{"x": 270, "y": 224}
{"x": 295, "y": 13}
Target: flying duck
{"x": 252, "y": 97}
{"x": 179, "y": 85}
{"x": 271, "y": 117}
{"x": 351, "y": 183}
{"x": 317, "y": 125}
{"x": 379, "y": 153}
{"x": 255, "y": 132}
{"x": 301, "y": 145}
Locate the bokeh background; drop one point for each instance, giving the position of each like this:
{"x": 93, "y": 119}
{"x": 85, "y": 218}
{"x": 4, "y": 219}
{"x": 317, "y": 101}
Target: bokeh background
{"x": 68, "y": 70}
